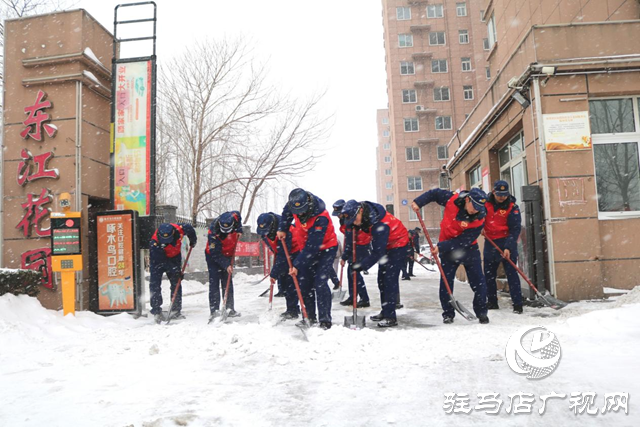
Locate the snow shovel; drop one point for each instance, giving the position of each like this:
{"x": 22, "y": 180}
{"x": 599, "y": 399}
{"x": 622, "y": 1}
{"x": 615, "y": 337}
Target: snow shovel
{"x": 258, "y": 281}
{"x": 353, "y": 321}
{"x": 305, "y": 319}
{"x": 454, "y": 303}
{"x": 338, "y": 294}
{"x": 175, "y": 291}
{"x": 271, "y": 294}
{"x": 548, "y": 300}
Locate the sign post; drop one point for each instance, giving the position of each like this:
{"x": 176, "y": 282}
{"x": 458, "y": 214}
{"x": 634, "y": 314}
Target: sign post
{"x": 66, "y": 250}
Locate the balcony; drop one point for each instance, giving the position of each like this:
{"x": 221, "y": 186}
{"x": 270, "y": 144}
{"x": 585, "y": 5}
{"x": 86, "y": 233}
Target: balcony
{"x": 420, "y": 28}
{"x": 421, "y": 56}
{"x": 423, "y": 84}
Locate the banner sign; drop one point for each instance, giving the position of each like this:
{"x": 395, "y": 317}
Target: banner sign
{"x": 117, "y": 262}
{"x": 567, "y": 131}
{"x": 248, "y": 249}
{"x": 131, "y": 137}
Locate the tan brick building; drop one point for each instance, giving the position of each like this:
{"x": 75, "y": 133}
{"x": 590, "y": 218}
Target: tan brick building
{"x": 562, "y": 117}
{"x": 384, "y": 175}
{"x": 436, "y": 69}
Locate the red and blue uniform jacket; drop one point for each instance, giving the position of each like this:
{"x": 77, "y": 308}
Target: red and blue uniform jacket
{"x": 458, "y": 229}
{"x": 503, "y": 221}
{"x": 172, "y": 250}
{"x": 363, "y": 238}
{"x": 280, "y": 265}
{"x": 315, "y": 235}
{"x": 221, "y": 246}
{"x": 387, "y": 233}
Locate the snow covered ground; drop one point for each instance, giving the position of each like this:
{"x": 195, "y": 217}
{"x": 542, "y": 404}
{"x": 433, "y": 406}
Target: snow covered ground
{"x": 90, "y": 370}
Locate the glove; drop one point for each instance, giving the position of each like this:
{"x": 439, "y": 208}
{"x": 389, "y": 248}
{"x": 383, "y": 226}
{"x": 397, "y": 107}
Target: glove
{"x": 357, "y": 267}
{"x": 192, "y": 244}
{"x": 181, "y": 275}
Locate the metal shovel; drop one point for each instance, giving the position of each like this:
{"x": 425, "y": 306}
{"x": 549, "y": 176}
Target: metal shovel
{"x": 354, "y": 321}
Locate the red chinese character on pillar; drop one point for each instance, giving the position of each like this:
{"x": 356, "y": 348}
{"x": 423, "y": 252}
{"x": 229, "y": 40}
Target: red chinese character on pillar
{"x": 39, "y": 260}
{"x": 25, "y": 167}
{"x": 36, "y": 213}
{"x": 36, "y": 119}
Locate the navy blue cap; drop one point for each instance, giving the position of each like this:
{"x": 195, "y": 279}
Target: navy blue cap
{"x": 265, "y": 221}
{"x": 501, "y": 188}
{"x": 337, "y": 207}
{"x": 350, "y": 211}
{"x": 227, "y": 222}
{"x": 165, "y": 233}
{"x": 478, "y": 198}
{"x": 298, "y": 201}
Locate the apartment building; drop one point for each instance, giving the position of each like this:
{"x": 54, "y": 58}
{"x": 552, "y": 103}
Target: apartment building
{"x": 436, "y": 69}
{"x": 561, "y": 122}
{"x": 384, "y": 176}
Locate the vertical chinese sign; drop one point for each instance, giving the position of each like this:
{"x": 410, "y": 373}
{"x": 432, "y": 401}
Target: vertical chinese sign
{"x": 131, "y": 137}
{"x": 117, "y": 262}
{"x": 32, "y": 168}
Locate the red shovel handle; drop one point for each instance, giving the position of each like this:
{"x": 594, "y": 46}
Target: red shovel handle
{"x": 426, "y": 234}
{"x": 513, "y": 264}
{"x": 295, "y": 281}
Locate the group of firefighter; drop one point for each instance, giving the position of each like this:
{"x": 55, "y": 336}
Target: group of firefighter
{"x": 304, "y": 243}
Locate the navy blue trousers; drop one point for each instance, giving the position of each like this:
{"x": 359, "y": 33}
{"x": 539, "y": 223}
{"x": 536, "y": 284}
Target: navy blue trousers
{"x": 171, "y": 266}
{"x": 313, "y": 284}
{"x": 492, "y": 260}
{"x": 285, "y": 284}
{"x": 470, "y": 259}
{"x": 389, "y": 269}
{"x": 362, "y": 251}
{"x": 218, "y": 280}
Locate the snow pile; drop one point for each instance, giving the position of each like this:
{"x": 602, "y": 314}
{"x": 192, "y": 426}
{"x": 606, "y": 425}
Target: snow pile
{"x": 631, "y": 297}
{"x": 253, "y": 371}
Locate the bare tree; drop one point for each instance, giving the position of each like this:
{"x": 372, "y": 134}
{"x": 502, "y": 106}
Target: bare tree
{"x": 211, "y": 95}
{"x": 226, "y": 133}
{"x": 289, "y": 151}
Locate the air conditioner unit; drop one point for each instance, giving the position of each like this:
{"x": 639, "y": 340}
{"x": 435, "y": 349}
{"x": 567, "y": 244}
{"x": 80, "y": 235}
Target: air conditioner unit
{"x": 419, "y": 108}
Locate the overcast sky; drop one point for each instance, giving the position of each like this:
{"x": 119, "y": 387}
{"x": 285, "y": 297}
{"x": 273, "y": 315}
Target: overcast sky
{"x": 335, "y": 45}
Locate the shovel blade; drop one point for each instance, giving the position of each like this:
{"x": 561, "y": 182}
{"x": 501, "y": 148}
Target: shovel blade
{"x": 354, "y": 322}
{"x": 462, "y": 310}
{"x": 338, "y": 295}
{"x": 552, "y": 302}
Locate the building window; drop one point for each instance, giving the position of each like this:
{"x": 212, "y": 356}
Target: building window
{"x": 475, "y": 177}
{"x": 443, "y": 122}
{"x": 406, "y": 68}
{"x": 482, "y": 16}
{"x": 439, "y": 66}
{"x": 488, "y": 72}
{"x": 463, "y": 35}
{"x": 387, "y": 172}
{"x": 437, "y": 38}
{"x": 414, "y": 183}
{"x": 443, "y": 152}
{"x": 413, "y": 154}
{"x": 468, "y": 92}
{"x": 387, "y": 159}
{"x": 616, "y": 153}
{"x": 461, "y": 9}
{"x": 511, "y": 159}
{"x": 386, "y": 146}
{"x": 409, "y": 96}
{"x": 466, "y": 64}
{"x": 389, "y": 185}
{"x": 403, "y": 13}
{"x": 405, "y": 40}
{"x": 435, "y": 11}
{"x": 441, "y": 94}
{"x": 491, "y": 30}
{"x": 385, "y": 133}
{"x": 385, "y": 121}
{"x": 389, "y": 198}
{"x": 485, "y": 44}
{"x": 411, "y": 124}
{"x": 413, "y": 216}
